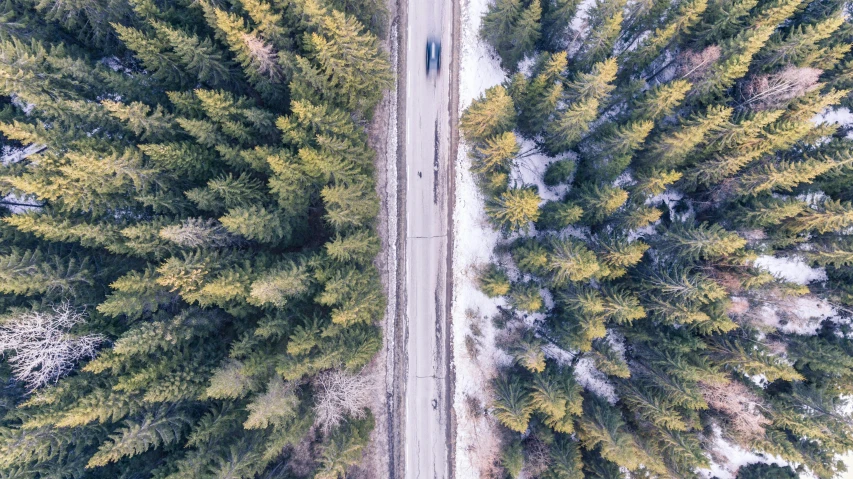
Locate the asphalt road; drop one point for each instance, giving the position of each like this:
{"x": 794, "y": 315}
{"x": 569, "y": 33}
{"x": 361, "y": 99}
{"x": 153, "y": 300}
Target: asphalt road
{"x": 427, "y": 152}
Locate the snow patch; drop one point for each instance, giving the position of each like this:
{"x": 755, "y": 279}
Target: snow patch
{"x": 840, "y": 116}
{"x": 579, "y": 22}
{"x": 13, "y": 155}
{"x": 594, "y": 380}
{"x": 530, "y": 168}
{"x": 480, "y": 66}
{"x": 671, "y": 198}
{"x": 800, "y": 315}
{"x": 792, "y": 269}
{"x": 477, "y": 434}
{"x": 473, "y": 244}
{"x": 727, "y": 458}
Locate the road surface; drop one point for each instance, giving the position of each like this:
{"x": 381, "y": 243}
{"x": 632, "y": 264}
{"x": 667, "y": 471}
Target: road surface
{"x": 427, "y": 150}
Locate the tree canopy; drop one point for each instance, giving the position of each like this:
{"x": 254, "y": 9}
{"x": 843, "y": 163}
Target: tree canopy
{"x": 188, "y": 223}
{"x": 686, "y": 147}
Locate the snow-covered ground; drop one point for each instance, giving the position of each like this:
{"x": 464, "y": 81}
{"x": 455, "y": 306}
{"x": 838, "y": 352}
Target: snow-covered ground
{"x": 792, "y": 269}
{"x": 476, "y": 358}
{"x": 727, "y": 458}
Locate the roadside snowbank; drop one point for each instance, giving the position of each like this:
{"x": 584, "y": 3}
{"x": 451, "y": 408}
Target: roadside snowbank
{"x": 476, "y": 357}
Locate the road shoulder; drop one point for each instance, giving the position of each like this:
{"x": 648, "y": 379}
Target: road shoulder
{"x": 451, "y": 233}
{"x": 382, "y": 457}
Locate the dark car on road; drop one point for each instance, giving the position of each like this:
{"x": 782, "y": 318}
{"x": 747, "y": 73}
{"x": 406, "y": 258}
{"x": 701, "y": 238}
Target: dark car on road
{"x": 433, "y": 55}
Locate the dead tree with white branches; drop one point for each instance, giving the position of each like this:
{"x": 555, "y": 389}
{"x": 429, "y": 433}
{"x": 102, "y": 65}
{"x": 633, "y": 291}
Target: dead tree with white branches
{"x": 44, "y": 349}
{"x": 740, "y": 405}
{"x": 338, "y": 395}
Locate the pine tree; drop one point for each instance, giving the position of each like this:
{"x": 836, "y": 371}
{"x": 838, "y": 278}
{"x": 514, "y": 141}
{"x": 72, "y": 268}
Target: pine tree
{"x": 571, "y": 261}
{"x": 612, "y": 152}
{"x": 679, "y": 23}
{"x": 489, "y": 115}
{"x": 200, "y": 58}
{"x": 570, "y": 126}
{"x": 525, "y": 33}
{"x": 739, "y": 51}
{"x": 531, "y": 257}
{"x": 708, "y": 242}
{"x": 498, "y": 23}
{"x": 359, "y": 247}
{"x": 831, "y": 216}
{"x": 786, "y": 175}
{"x": 800, "y": 46}
{"x": 258, "y": 59}
{"x": 494, "y": 282}
{"x": 681, "y": 284}
{"x": 559, "y": 172}
{"x": 512, "y": 459}
{"x": 528, "y": 353}
{"x": 661, "y": 101}
{"x": 607, "y": 360}
{"x": 671, "y": 150}
{"x": 512, "y": 404}
{"x": 159, "y": 428}
{"x": 565, "y": 460}
{"x": 514, "y": 209}
{"x": 31, "y": 272}
{"x": 526, "y": 297}
{"x": 497, "y": 153}
{"x": 153, "y": 53}
{"x": 352, "y": 60}
{"x": 732, "y": 353}
{"x": 557, "y": 17}
{"x": 600, "y": 201}
{"x": 601, "y": 426}
{"x": 256, "y": 223}
{"x": 349, "y": 206}
{"x": 595, "y": 84}
{"x": 722, "y": 19}
{"x": 605, "y": 18}
{"x": 537, "y": 100}
{"x": 556, "y": 215}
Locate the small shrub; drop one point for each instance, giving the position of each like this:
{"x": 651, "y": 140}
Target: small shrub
{"x": 559, "y": 172}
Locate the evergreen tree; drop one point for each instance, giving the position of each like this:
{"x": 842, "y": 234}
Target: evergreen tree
{"x": 489, "y": 115}
{"x": 206, "y": 205}
{"x": 512, "y": 405}
{"x": 701, "y": 140}
{"x": 515, "y": 209}
{"x": 604, "y": 25}
{"x": 600, "y": 201}
{"x": 498, "y": 23}
{"x": 601, "y": 426}
{"x": 494, "y": 281}
{"x": 525, "y": 32}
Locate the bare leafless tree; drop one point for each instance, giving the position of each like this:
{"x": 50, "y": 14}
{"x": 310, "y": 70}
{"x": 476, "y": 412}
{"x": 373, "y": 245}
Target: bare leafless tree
{"x": 338, "y": 395}
{"x": 44, "y": 349}
{"x": 740, "y": 405}
{"x": 264, "y": 56}
{"x": 772, "y": 91}
{"x": 694, "y": 65}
